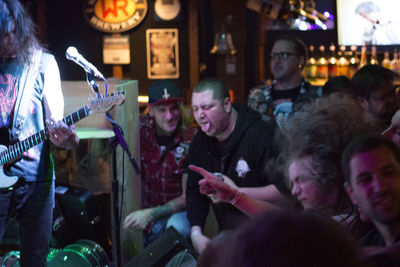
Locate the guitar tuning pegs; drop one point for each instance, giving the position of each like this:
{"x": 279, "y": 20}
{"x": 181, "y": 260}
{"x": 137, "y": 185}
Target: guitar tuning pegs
{"x": 121, "y": 97}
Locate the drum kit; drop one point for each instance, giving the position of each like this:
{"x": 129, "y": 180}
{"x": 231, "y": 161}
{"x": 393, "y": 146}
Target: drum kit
{"x": 82, "y": 253}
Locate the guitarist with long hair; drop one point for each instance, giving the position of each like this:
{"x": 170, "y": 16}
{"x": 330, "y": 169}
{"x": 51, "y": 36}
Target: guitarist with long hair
{"x": 30, "y": 99}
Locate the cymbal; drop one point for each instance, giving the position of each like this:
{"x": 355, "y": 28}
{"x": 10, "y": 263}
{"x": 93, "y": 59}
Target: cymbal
{"x": 93, "y": 133}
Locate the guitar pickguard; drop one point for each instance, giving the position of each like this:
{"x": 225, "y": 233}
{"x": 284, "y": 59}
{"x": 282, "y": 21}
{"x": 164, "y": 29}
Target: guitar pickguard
{"x": 6, "y": 181}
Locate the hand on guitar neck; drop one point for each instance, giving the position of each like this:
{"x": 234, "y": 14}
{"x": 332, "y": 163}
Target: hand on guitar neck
{"x": 62, "y": 135}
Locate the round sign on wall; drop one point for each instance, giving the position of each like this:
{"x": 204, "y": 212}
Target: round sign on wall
{"x": 167, "y": 9}
{"x": 115, "y": 15}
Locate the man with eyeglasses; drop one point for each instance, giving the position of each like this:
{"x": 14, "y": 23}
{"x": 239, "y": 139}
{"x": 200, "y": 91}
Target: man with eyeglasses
{"x": 289, "y": 89}
{"x": 373, "y": 87}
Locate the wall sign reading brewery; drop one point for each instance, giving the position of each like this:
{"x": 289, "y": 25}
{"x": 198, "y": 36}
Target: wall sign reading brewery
{"x": 115, "y": 15}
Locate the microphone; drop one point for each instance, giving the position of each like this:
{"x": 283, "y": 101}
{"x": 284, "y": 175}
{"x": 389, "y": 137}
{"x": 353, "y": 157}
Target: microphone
{"x": 73, "y": 54}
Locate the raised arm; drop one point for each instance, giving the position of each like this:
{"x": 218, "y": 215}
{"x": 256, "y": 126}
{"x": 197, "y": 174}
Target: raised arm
{"x": 220, "y": 191}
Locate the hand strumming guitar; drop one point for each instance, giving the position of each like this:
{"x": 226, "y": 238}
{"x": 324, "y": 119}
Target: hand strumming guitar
{"x": 61, "y": 135}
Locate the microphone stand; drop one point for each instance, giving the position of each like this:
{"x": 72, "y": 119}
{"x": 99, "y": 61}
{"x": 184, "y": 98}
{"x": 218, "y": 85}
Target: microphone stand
{"x": 92, "y": 83}
{"x": 118, "y": 139}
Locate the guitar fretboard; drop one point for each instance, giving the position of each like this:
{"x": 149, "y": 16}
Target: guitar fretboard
{"x": 17, "y": 149}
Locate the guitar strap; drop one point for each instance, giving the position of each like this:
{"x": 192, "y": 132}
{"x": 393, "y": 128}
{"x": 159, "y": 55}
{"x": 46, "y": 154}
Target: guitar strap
{"x": 25, "y": 92}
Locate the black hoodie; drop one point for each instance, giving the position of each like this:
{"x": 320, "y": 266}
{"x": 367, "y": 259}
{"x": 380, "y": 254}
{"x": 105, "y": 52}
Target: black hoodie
{"x": 251, "y": 143}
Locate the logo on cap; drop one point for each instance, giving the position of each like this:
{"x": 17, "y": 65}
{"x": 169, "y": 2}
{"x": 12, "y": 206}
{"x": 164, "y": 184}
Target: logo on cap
{"x": 163, "y": 91}
{"x": 166, "y": 95}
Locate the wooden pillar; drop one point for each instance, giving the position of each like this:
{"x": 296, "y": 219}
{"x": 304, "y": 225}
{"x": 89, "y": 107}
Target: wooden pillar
{"x": 193, "y": 47}
{"x": 41, "y": 15}
{"x": 117, "y": 69}
{"x": 127, "y": 116}
{"x": 261, "y": 54}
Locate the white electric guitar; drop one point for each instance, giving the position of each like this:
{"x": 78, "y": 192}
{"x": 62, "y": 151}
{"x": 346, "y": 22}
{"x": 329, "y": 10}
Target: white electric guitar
{"x": 12, "y": 153}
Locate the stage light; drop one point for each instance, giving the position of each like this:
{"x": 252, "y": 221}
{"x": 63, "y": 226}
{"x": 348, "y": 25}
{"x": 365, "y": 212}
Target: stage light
{"x": 303, "y": 15}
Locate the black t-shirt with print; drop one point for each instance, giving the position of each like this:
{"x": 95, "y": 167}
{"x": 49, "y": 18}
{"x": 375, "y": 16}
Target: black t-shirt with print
{"x": 291, "y": 94}
{"x": 9, "y": 73}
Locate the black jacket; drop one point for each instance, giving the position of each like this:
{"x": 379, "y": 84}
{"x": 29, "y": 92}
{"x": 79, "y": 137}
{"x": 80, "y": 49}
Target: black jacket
{"x": 251, "y": 142}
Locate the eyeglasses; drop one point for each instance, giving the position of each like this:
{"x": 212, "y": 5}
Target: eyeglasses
{"x": 282, "y": 55}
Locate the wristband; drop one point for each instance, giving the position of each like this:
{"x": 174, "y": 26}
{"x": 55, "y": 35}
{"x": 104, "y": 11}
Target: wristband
{"x": 236, "y": 197}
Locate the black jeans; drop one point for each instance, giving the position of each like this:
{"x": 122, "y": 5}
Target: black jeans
{"x": 32, "y": 205}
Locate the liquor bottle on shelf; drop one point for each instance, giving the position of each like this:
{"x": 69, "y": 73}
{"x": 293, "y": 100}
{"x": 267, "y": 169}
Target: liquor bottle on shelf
{"x": 322, "y": 64}
{"x": 394, "y": 63}
{"x": 386, "y": 60}
{"x": 343, "y": 63}
{"x": 311, "y": 65}
{"x": 373, "y": 60}
{"x": 332, "y": 67}
{"x": 353, "y": 61}
{"x": 363, "y": 60}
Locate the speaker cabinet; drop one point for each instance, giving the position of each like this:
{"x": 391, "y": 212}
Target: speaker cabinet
{"x": 162, "y": 250}
{"x": 81, "y": 217}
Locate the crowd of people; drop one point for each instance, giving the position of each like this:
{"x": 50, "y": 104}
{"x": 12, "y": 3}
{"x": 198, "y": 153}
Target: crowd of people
{"x": 297, "y": 152}
{"x": 298, "y": 161}
{"x": 301, "y": 175}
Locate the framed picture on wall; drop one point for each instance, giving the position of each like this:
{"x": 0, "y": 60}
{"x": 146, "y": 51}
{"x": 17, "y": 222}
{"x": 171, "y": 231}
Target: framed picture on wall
{"x": 162, "y": 53}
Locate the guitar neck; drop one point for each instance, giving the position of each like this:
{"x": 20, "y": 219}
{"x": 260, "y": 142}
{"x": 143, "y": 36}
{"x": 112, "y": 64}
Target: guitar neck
{"x": 76, "y": 116}
{"x": 17, "y": 149}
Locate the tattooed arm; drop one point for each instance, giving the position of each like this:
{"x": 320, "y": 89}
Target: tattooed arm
{"x": 140, "y": 219}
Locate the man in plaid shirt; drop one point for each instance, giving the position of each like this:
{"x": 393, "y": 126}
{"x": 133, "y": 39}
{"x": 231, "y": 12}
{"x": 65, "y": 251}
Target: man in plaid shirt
{"x": 164, "y": 144}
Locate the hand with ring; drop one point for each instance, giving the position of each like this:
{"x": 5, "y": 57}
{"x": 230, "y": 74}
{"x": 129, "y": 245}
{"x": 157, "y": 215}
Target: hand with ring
{"x": 213, "y": 186}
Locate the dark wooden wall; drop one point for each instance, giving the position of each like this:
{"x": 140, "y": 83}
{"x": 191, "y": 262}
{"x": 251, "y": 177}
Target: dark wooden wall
{"x": 62, "y": 24}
